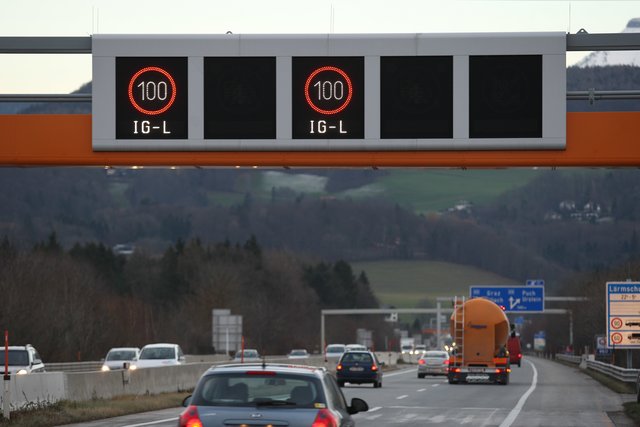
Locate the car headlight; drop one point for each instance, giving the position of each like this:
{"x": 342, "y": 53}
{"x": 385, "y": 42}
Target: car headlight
{"x": 105, "y": 368}
{"x": 22, "y": 372}
{"x": 132, "y": 367}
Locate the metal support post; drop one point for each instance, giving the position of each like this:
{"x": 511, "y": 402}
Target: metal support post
{"x": 322, "y": 345}
{"x": 6, "y": 394}
{"x": 438, "y": 338}
{"x": 570, "y": 328}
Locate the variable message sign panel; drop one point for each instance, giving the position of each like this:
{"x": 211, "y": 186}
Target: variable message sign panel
{"x": 365, "y": 92}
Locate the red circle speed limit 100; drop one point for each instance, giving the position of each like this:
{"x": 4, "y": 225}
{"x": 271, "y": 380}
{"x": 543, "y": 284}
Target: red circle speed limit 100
{"x": 328, "y": 90}
{"x": 327, "y": 97}
{"x": 151, "y": 98}
{"x": 152, "y": 90}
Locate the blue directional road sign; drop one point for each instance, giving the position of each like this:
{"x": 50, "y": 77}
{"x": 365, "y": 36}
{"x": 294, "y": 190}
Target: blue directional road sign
{"x": 529, "y": 299}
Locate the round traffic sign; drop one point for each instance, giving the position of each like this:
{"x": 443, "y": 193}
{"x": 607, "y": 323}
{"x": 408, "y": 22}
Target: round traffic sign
{"x": 616, "y": 323}
{"x": 155, "y": 90}
{"x": 329, "y": 93}
{"x": 616, "y": 338}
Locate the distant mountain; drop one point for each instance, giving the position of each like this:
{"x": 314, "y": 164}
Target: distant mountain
{"x": 620, "y": 57}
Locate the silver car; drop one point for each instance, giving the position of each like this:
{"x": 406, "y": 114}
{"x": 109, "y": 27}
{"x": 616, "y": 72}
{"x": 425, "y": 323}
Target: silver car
{"x": 433, "y": 362}
{"x": 120, "y": 358}
{"x": 268, "y": 394}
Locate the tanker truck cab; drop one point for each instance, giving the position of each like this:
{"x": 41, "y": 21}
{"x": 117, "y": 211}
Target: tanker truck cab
{"x": 480, "y": 329}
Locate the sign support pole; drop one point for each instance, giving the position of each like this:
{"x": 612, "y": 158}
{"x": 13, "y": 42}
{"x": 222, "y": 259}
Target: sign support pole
{"x": 6, "y": 395}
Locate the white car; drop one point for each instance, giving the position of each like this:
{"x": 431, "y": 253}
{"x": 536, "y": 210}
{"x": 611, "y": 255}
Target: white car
{"x": 154, "y": 355}
{"x": 120, "y": 358}
{"x": 333, "y": 353}
{"x": 298, "y": 354}
{"x": 249, "y": 355}
{"x": 355, "y": 347}
{"x": 420, "y": 349}
{"x": 23, "y": 359}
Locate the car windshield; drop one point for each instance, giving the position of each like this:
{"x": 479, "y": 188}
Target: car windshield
{"x": 16, "y": 357}
{"x": 357, "y": 357}
{"x": 157, "y": 353}
{"x": 335, "y": 349}
{"x": 298, "y": 353}
{"x": 242, "y": 389}
{"x": 121, "y": 355}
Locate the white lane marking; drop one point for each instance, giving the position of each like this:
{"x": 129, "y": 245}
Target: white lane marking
{"x": 516, "y": 410}
{"x": 402, "y": 397}
{"x": 153, "y": 422}
{"x": 435, "y": 385}
{"x": 405, "y": 371}
{"x": 377, "y": 408}
{"x": 421, "y": 390}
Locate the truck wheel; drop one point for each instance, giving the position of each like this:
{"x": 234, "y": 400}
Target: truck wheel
{"x": 519, "y": 363}
{"x": 420, "y": 375}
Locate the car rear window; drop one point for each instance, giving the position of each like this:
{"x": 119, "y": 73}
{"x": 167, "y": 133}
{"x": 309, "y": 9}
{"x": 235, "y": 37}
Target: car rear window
{"x": 357, "y": 357}
{"x": 242, "y": 389}
{"x": 438, "y": 354}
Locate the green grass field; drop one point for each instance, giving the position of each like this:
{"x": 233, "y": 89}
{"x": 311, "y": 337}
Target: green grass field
{"x": 438, "y": 189}
{"x": 403, "y": 284}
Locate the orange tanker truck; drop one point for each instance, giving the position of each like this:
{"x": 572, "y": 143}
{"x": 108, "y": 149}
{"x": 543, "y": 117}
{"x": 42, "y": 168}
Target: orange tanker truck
{"x": 480, "y": 329}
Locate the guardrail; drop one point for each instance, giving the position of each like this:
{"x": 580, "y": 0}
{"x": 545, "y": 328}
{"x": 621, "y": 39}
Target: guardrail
{"x": 613, "y": 371}
{"x": 73, "y": 367}
{"x": 569, "y": 358}
{"x": 621, "y": 374}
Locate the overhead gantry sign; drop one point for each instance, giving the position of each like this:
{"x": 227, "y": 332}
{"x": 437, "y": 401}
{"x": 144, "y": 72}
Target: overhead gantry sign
{"x": 329, "y": 92}
{"x": 445, "y": 100}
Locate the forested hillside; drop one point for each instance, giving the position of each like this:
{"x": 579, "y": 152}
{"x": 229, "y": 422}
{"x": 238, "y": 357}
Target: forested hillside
{"x": 85, "y": 300}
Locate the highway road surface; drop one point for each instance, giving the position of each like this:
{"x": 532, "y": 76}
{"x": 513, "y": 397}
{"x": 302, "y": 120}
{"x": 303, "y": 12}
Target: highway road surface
{"x": 541, "y": 393}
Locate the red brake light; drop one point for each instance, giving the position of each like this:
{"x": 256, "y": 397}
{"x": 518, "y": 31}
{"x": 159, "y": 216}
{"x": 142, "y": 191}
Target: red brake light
{"x": 519, "y": 355}
{"x": 190, "y": 418}
{"x": 421, "y": 362}
{"x": 267, "y": 373}
{"x": 374, "y": 368}
{"x": 325, "y": 419}
{"x": 339, "y": 367}
{"x": 446, "y": 361}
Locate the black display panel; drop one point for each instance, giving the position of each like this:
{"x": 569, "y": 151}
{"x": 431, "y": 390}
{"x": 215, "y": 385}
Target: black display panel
{"x": 151, "y": 98}
{"x": 328, "y": 97}
{"x": 505, "y": 96}
{"x": 240, "y": 98}
{"x": 416, "y": 97}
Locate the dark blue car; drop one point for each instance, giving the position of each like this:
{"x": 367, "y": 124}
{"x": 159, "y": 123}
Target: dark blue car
{"x": 359, "y": 367}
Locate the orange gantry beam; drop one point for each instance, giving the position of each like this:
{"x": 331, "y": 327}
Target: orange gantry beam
{"x": 593, "y": 139}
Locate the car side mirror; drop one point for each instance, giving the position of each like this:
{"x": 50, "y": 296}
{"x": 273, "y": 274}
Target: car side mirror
{"x": 187, "y": 400}
{"x": 357, "y": 405}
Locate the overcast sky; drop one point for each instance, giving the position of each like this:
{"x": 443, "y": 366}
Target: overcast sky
{"x": 65, "y": 73}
